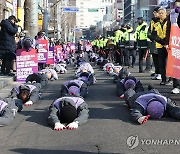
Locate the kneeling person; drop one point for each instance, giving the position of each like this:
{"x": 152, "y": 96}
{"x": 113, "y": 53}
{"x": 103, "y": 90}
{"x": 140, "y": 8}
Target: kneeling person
{"x": 150, "y": 104}
{"x": 75, "y": 88}
{"x": 68, "y": 113}
{"x": 28, "y": 93}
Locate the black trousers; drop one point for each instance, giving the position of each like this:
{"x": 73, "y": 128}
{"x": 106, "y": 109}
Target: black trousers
{"x": 142, "y": 53}
{"x": 127, "y": 56}
{"x": 162, "y": 59}
{"x": 156, "y": 63}
{"x": 7, "y": 62}
{"x": 176, "y": 83}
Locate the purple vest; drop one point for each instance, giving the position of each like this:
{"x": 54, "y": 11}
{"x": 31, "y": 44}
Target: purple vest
{"x": 78, "y": 82}
{"x": 143, "y": 100}
{"x": 75, "y": 101}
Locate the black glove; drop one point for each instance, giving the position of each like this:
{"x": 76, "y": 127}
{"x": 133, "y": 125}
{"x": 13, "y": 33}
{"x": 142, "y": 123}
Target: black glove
{"x": 161, "y": 41}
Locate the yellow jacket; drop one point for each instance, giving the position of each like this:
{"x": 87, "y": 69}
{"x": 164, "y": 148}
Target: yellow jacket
{"x": 161, "y": 28}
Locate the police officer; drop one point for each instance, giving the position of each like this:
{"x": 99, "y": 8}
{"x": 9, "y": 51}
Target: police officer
{"x": 142, "y": 44}
{"x": 129, "y": 46}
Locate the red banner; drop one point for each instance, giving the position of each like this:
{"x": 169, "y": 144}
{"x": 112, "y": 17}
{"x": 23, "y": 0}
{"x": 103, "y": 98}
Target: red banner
{"x": 43, "y": 51}
{"x": 173, "y": 63}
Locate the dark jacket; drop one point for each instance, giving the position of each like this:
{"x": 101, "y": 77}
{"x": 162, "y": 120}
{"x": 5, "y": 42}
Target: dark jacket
{"x": 138, "y": 102}
{"x": 151, "y": 35}
{"x": 34, "y": 89}
{"x": 39, "y": 78}
{"x": 7, "y": 36}
{"x": 78, "y": 83}
{"x": 121, "y": 89}
{"x": 79, "y": 103}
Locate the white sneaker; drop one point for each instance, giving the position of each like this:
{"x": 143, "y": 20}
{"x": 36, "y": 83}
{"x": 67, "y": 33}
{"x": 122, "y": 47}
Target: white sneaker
{"x": 176, "y": 91}
{"x": 153, "y": 77}
{"x": 158, "y": 77}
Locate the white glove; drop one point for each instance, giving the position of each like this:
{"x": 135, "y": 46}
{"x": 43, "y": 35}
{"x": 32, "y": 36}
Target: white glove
{"x": 28, "y": 103}
{"x": 72, "y": 125}
{"x": 14, "y": 112}
{"x": 59, "y": 126}
{"x": 122, "y": 96}
{"x": 143, "y": 119}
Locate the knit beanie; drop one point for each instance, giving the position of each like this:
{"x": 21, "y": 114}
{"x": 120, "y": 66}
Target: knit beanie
{"x": 129, "y": 84}
{"x": 67, "y": 114}
{"x": 155, "y": 109}
{"x": 74, "y": 90}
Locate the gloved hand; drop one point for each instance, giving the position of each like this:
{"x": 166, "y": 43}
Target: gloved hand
{"x": 143, "y": 119}
{"x": 28, "y": 103}
{"x": 59, "y": 126}
{"x": 72, "y": 125}
{"x": 122, "y": 96}
{"x": 14, "y": 112}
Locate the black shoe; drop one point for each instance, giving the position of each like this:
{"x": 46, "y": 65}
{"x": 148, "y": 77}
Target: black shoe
{"x": 141, "y": 71}
{"x": 150, "y": 87}
{"x": 10, "y": 74}
{"x": 2, "y": 74}
{"x": 147, "y": 71}
{"x": 163, "y": 83}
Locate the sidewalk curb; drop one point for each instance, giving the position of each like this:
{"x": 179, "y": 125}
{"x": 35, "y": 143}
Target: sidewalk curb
{"x": 4, "y": 81}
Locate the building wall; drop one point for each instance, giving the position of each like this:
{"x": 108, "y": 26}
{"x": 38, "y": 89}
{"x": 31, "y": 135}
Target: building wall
{"x": 85, "y": 18}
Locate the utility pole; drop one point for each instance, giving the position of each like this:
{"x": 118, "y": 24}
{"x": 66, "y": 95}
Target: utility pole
{"x": 2, "y": 4}
{"x": 27, "y": 4}
{"x": 34, "y": 18}
{"x": 31, "y": 17}
{"x": 45, "y": 17}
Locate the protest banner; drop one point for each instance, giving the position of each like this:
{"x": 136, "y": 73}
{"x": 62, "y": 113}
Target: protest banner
{"x": 26, "y": 63}
{"x": 51, "y": 58}
{"x": 173, "y": 63}
{"x": 59, "y": 55}
{"x": 42, "y": 51}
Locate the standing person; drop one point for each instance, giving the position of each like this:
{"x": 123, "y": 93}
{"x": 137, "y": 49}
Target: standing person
{"x": 162, "y": 29}
{"x": 129, "y": 47}
{"x": 152, "y": 44}
{"x": 8, "y": 44}
{"x": 142, "y": 45}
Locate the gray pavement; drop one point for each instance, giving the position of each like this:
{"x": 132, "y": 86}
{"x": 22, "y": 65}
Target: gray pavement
{"x": 107, "y": 130}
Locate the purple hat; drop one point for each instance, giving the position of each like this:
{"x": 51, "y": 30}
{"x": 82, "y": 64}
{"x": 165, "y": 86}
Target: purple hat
{"x": 74, "y": 90}
{"x": 129, "y": 84}
{"x": 155, "y": 109}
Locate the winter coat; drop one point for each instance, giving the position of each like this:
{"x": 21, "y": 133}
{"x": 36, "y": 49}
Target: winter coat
{"x": 77, "y": 102}
{"x": 34, "y": 89}
{"x": 80, "y": 84}
{"x": 138, "y": 103}
{"x": 7, "y": 36}
{"x": 121, "y": 89}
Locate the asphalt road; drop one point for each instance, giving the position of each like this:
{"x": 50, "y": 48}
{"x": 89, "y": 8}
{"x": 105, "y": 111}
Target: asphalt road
{"x": 107, "y": 130}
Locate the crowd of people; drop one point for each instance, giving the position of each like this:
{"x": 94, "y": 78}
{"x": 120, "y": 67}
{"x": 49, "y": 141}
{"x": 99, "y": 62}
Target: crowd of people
{"x": 150, "y": 42}
{"x": 112, "y": 55}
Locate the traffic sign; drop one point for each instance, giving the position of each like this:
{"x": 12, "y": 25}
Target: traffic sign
{"x": 70, "y": 9}
{"x": 93, "y": 10}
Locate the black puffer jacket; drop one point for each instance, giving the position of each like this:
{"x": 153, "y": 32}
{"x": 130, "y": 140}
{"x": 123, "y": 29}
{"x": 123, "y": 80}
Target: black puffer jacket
{"x": 7, "y": 36}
